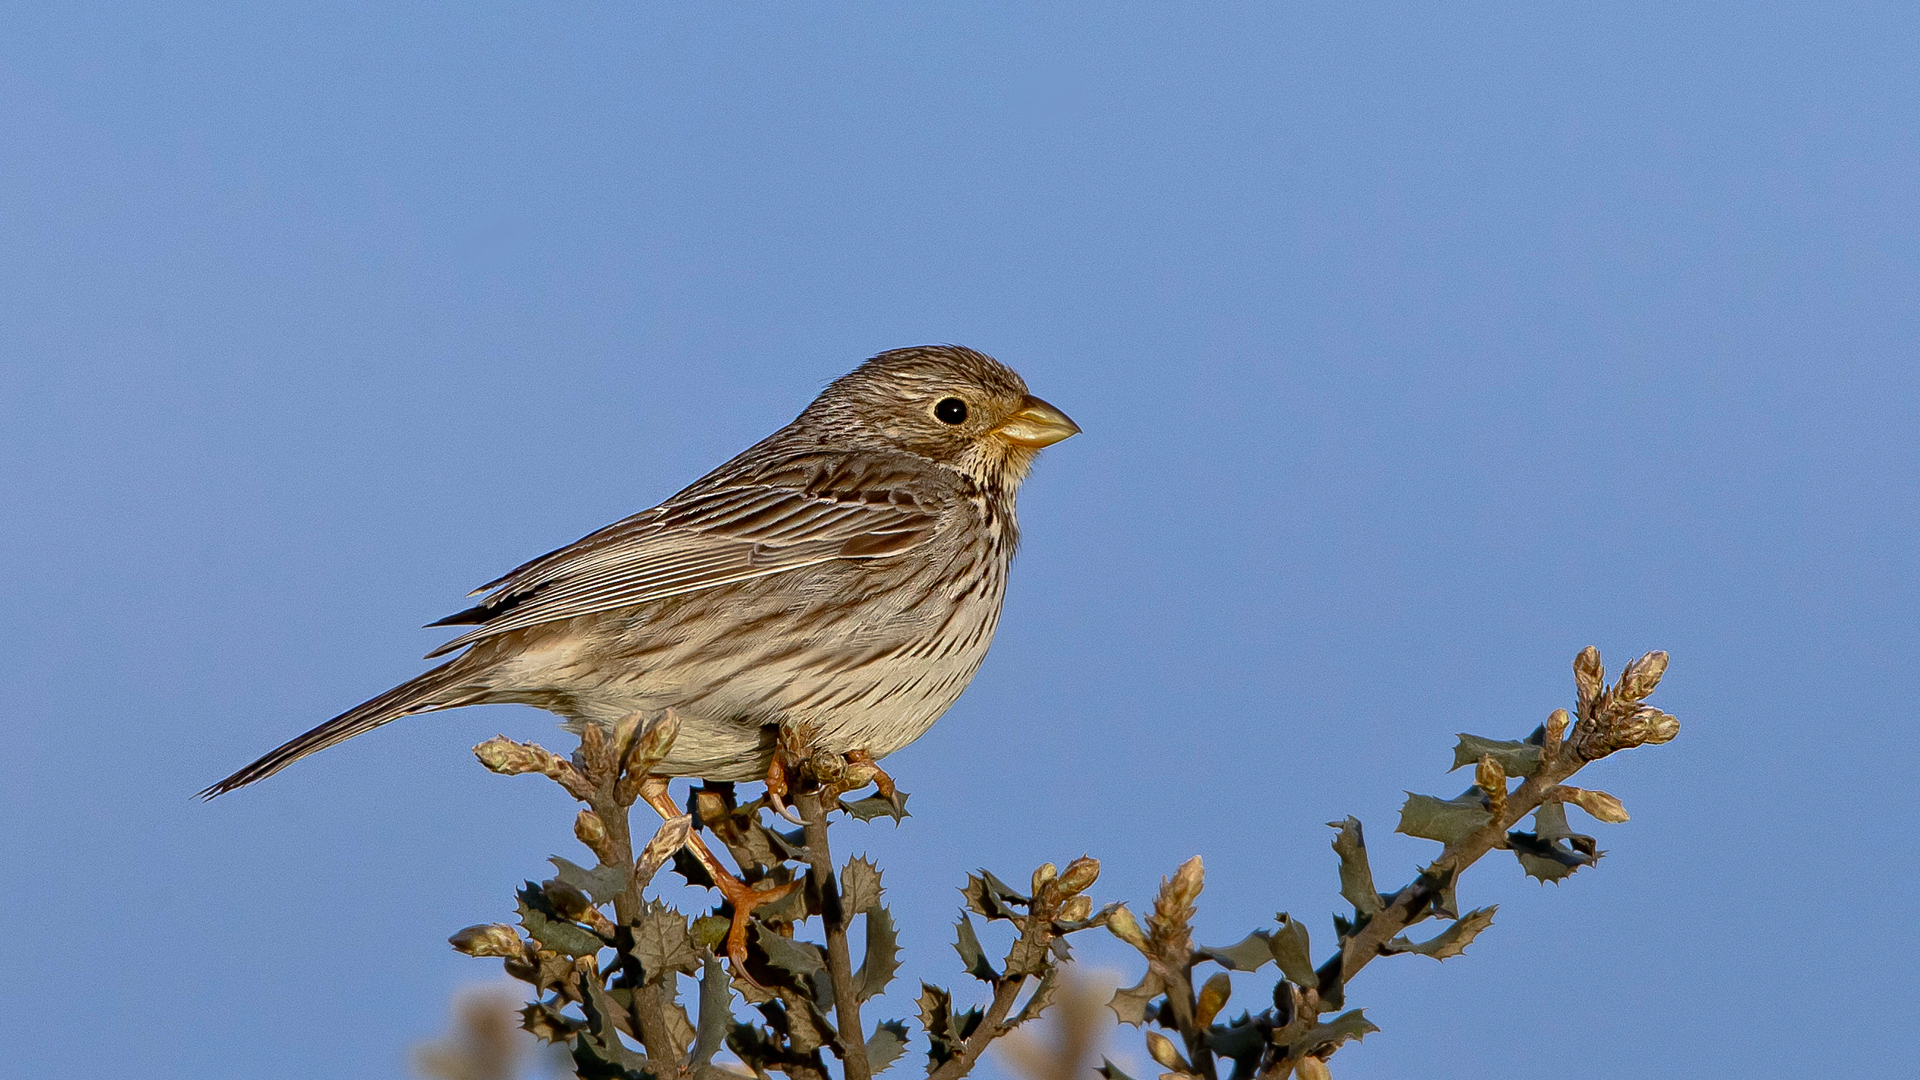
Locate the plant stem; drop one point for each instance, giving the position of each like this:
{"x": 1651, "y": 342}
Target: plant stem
{"x": 846, "y": 1005}
{"x": 1410, "y": 904}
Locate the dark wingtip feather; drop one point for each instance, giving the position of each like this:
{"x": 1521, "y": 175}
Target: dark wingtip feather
{"x": 472, "y": 616}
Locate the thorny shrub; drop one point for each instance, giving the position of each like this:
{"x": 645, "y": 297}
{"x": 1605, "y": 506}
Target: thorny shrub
{"x": 606, "y": 961}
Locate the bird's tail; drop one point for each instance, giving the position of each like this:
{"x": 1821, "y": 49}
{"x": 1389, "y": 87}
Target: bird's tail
{"x": 440, "y": 688}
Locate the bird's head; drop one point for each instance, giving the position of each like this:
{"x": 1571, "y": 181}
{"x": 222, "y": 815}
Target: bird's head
{"x": 951, "y": 405}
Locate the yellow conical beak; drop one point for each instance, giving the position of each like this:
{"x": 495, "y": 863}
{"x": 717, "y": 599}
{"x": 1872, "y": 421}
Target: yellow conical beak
{"x": 1037, "y": 424}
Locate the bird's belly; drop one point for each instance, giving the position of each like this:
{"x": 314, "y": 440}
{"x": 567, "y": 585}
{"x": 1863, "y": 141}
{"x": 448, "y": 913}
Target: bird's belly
{"x": 875, "y": 682}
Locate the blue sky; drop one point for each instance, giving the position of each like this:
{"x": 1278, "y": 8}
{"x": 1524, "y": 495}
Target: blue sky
{"x": 1416, "y": 347}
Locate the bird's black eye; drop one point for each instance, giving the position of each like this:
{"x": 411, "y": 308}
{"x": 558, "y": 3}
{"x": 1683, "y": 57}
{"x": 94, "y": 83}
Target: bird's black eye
{"x": 951, "y": 411}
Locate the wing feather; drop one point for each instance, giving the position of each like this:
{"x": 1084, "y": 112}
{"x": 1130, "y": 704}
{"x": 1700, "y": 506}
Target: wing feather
{"x": 705, "y": 538}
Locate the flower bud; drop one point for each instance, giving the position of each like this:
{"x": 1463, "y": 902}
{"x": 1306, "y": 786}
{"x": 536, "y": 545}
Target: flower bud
{"x": 488, "y": 939}
{"x": 506, "y": 757}
{"x": 1079, "y": 875}
{"x": 1187, "y": 882}
{"x": 653, "y": 743}
{"x": 591, "y": 831}
{"x": 1213, "y": 998}
{"x": 1642, "y": 675}
{"x": 1602, "y": 806}
{"x": 1556, "y": 733}
{"x": 1589, "y": 677}
{"x": 1311, "y": 1068}
{"x": 1163, "y": 1052}
{"x": 570, "y": 902}
{"x": 1124, "y": 926}
{"x": 1076, "y": 908}
{"x": 1043, "y": 877}
{"x": 1492, "y": 779}
{"x": 669, "y": 838}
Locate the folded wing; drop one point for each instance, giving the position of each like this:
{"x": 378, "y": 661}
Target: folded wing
{"x": 712, "y": 536}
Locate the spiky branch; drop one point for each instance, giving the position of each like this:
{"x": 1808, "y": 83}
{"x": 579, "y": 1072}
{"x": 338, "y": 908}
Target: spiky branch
{"x": 606, "y": 962}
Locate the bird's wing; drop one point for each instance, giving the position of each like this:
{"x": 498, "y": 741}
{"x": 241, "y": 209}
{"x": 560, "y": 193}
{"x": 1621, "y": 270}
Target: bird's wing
{"x": 711, "y": 536}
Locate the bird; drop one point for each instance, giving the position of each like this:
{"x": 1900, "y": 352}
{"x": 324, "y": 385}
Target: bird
{"x": 843, "y": 576}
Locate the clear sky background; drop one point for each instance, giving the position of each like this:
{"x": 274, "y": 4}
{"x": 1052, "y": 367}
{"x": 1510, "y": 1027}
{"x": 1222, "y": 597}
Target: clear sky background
{"x": 1416, "y": 347}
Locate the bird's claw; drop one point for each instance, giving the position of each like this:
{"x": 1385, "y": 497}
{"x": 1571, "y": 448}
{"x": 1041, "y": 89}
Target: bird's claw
{"x": 777, "y": 791}
{"x": 745, "y": 898}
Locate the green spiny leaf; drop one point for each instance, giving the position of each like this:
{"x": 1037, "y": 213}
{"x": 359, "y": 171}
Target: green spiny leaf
{"x": 1130, "y": 1003}
{"x": 602, "y": 883}
{"x": 1445, "y": 820}
{"x": 859, "y": 886}
{"x": 874, "y": 806}
{"x": 1293, "y": 951}
{"x": 547, "y": 1023}
{"x": 972, "y": 956}
{"x": 661, "y": 942}
{"x": 1553, "y": 850}
{"x": 883, "y": 955}
{"x": 716, "y": 1011}
{"x": 885, "y": 1045}
{"x": 797, "y": 958}
{"x": 551, "y": 931}
{"x": 1348, "y": 1025}
{"x": 945, "y": 1030}
{"x": 1450, "y": 942}
{"x": 1244, "y": 1041}
{"x": 1517, "y": 758}
{"x": 598, "y": 1051}
{"x": 1247, "y": 954}
{"x": 1356, "y": 876}
{"x": 1111, "y": 1071}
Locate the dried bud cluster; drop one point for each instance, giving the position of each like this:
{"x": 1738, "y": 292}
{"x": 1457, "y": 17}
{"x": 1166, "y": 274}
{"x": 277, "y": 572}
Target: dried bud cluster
{"x": 1613, "y": 718}
{"x": 1169, "y": 927}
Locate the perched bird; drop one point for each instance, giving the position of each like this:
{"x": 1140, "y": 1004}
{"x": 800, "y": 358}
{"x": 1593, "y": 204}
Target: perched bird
{"x": 844, "y": 576}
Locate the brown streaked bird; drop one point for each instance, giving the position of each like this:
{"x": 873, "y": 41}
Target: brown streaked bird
{"x": 843, "y": 576}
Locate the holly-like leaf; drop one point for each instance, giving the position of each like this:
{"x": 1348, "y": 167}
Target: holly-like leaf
{"x": 687, "y": 865}
{"x": 945, "y": 1030}
{"x": 874, "y": 806}
{"x": 859, "y": 886}
{"x": 1027, "y": 957}
{"x": 1445, "y": 820}
{"x": 550, "y": 931}
{"x": 1244, "y": 1041}
{"x": 1553, "y": 851}
{"x": 661, "y": 942}
{"x": 800, "y": 959}
{"x": 598, "y": 1052}
{"x": 972, "y": 956}
{"x": 1348, "y": 1025}
{"x": 680, "y": 1034}
{"x": 883, "y": 955}
{"x": 547, "y": 1023}
{"x": 885, "y": 1045}
{"x": 989, "y": 896}
{"x": 1516, "y": 758}
{"x": 716, "y": 1012}
{"x": 1450, "y": 942}
{"x": 1130, "y": 1003}
{"x": 1111, "y": 1071}
{"x": 1293, "y": 951}
{"x": 602, "y": 883}
{"x": 1247, "y": 954}
{"x": 1356, "y": 876}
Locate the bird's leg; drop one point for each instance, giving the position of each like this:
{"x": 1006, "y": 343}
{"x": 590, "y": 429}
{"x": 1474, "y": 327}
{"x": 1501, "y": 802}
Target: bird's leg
{"x": 744, "y": 897}
{"x": 859, "y": 762}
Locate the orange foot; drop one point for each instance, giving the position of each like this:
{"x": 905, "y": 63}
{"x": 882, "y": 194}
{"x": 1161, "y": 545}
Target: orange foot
{"x": 743, "y": 897}
{"x": 861, "y": 764}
